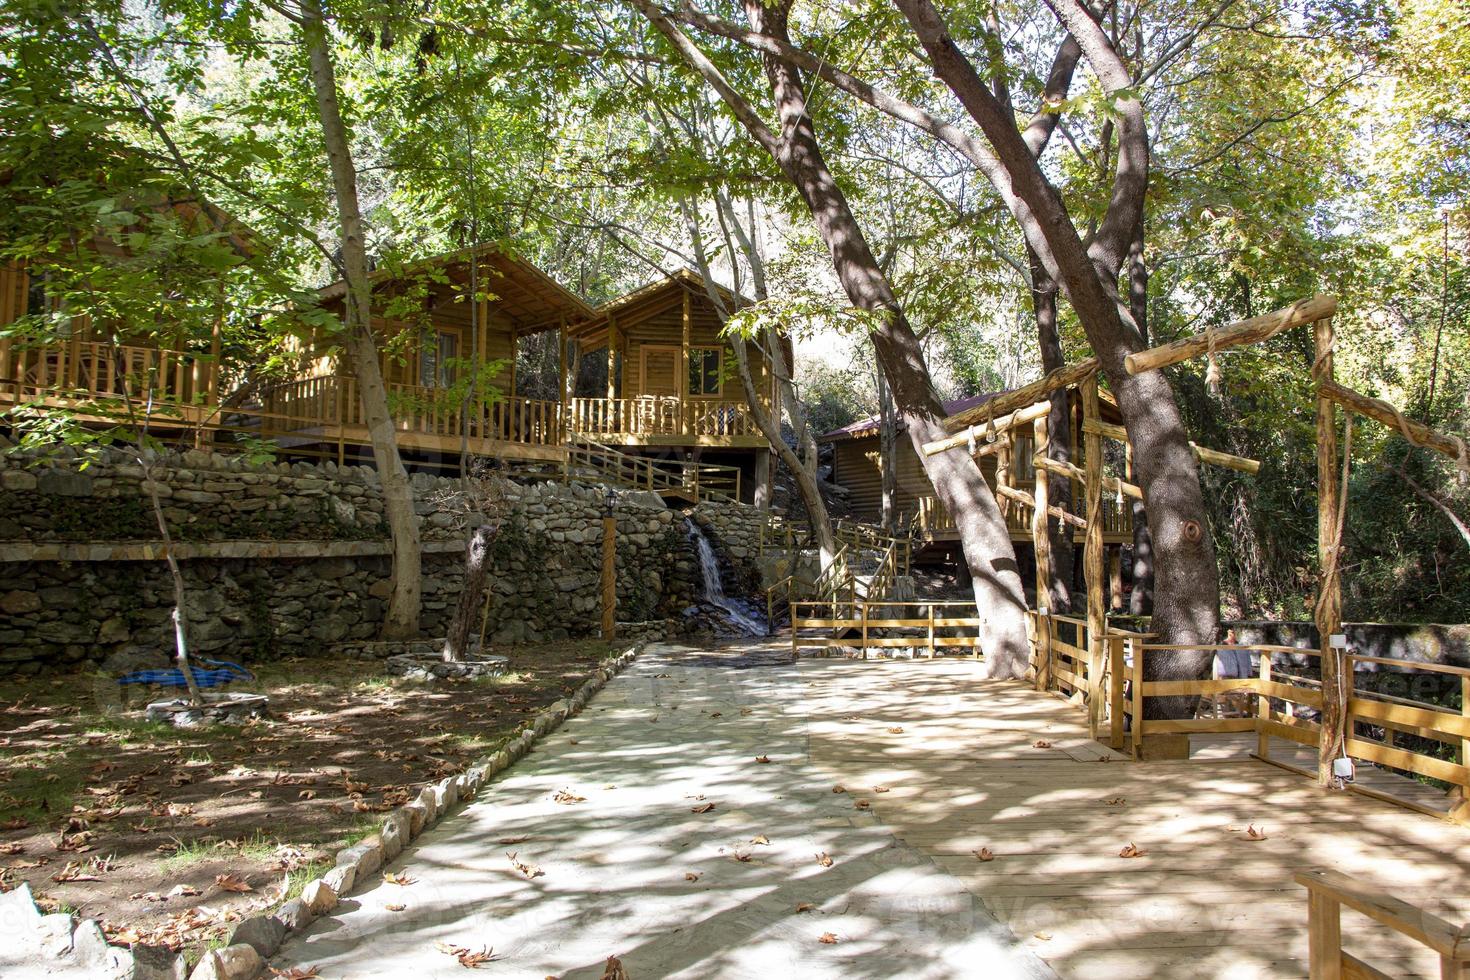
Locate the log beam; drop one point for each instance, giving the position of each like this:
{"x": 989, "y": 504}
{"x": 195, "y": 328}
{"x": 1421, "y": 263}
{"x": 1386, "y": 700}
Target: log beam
{"x": 1252, "y": 331}
{"x": 988, "y": 429}
{"x": 1382, "y": 411}
{"x": 1007, "y": 402}
{"x": 1204, "y": 454}
{"x": 1022, "y": 497}
{"x": 1077, "y": 473}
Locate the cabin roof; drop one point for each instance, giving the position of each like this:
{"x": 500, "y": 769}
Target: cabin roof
{"x": 648, "y": 298}
{"x": 523, "y": 292}
{"x": 866, "y": 427}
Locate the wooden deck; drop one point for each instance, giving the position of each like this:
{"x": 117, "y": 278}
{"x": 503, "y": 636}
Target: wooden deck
{"x": 966, "y": 773}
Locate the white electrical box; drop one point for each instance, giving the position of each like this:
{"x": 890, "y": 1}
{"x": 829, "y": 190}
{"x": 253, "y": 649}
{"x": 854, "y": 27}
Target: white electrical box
{"x": 1339, "y": 641}
{"x": 1343, "y": 769}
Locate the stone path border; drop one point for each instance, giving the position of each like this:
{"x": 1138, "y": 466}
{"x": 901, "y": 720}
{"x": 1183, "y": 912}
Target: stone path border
{"x": 80, "y": 945}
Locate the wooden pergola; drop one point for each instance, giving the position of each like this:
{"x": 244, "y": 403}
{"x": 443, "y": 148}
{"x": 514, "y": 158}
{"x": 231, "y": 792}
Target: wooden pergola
{"x": 991, "y": 427}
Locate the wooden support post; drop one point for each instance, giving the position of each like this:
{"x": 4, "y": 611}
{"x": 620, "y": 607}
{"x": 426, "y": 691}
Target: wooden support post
{"x": 865, "y": 630}
{"x": 1329, "y": 599}
{"x": 612, "y": 358}
{"x": 1003, "y": 470}
{"x": 1461, "y": 811}
{"x": 1041, "y": 544}
{"x": 1136, "y": 684}
{"x": 609, "y": 577}
{"x": 1094, "y": 559}
{"x": 1263, "y": 708}
{"x": 561, "y": 357}
{"x": 687, "y": 323}
{"x": 1324, "y": 936}
{"x": 934, "y": 653}
{"x": 1116, "y": 668}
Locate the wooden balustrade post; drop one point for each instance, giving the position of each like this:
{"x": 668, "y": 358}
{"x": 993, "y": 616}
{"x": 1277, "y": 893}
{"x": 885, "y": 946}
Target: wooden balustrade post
{"x": 1461, "y": 811}
{"x": 1324, "y": 936}
{"x": 1140, "y": 650}
{"x": 865, "y": 629}
{"x": 1263, "y": 707}
{"x": 1116, "y": 666}
{"x": 932, "y": 651}
{"x": 1041, "y": 547}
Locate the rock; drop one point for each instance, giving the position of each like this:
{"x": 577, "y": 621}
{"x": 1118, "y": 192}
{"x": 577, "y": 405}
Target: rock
{"x": 418, "y": 816}
{"x": 64, "y": 483}
{"x": 366, "y": 856}
{"x": 341, "y": 878}
{"x": 158, "y": 963}
{"x": 17, "y": 602}
{"x": 231, "y": 963}
{"x": 18, "y": 910}
{"x": 430, "y": 802}
{"x": 394, "y": 834}
{"x": 263, "y": 933}
{"x": 17, "y": 480}
{"x": 295, "y": 915}
{"x": 319, "y": 897}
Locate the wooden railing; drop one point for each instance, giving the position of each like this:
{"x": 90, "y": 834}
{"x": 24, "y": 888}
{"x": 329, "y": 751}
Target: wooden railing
{"x": 84, "y": 370}
{"x": 931, "y": 518}
{"x": 1329, "y": 891}
{"x": 331, "y": 400}
{"x": 698, "y": 481}
{"x": 931, "y": 625}
{"x": 661, "y": 416}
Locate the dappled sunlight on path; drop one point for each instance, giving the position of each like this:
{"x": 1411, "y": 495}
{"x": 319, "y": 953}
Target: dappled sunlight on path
{"x": 648, "y": 828}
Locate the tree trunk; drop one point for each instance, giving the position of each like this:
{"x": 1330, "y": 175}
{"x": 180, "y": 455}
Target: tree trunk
{"x": 1059, "y": 437}
{"x": 887, "y": 455}
{"x": 477, "y": 556}
{"x": 402, "y": 618}
{"x": 957, "y": 480}
{"x": 1187, "y": 588}
{"x": 1141, "y": 602}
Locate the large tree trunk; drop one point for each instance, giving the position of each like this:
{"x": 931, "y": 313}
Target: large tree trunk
{"x": 1141, "y": 602}
{"x": 957, "y": 480}
{"x": 887, "y": 455}
{"x": 1059, "y": 437}
{"x": 477, "y": 557}
{"x": 1186, "y": 595}
{"x": 402, "y": 618}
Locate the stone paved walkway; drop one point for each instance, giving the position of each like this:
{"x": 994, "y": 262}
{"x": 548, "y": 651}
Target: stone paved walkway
{"x": 632, "y": 870}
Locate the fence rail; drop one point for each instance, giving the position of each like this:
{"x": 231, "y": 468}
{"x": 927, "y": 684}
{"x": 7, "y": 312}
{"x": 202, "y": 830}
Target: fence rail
{"x": 929, "y": 625}
{"x": 91, "y": 370}
{"x": 697, "y": 481}
{"x": 662, "y": 416}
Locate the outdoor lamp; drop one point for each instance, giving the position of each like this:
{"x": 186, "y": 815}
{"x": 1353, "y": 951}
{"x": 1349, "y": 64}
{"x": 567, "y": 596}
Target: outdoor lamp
{"x": 609, "y": 502}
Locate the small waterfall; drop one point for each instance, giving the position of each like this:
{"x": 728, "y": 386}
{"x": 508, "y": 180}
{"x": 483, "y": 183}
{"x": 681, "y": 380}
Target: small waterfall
{"x": 740, "y": 614}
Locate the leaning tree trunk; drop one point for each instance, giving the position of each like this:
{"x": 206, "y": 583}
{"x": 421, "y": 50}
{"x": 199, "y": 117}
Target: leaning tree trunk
{"x": 887, "y": 455}
{"x": 957, "y": 480}
{"x": 476, "y": 560}
{"x": 1141, "y": 602}
{"x": 402, "y": 618}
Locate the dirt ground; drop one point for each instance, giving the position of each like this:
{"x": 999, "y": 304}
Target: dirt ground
{"x": 170, "y": 836}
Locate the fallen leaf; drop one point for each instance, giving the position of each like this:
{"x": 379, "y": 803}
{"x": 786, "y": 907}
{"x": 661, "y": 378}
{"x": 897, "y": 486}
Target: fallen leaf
{"x": 613, "y": 969}
{"x": 861, "y": 804}
{"x": 11, "y": 847}
{"x": 760, "y": 839}
{"x": 985, "y": 854}
{"x": 824, "y": 859}
{"x": 74, "y": 872}
{"x": 895, "y": 730}
{"x": 805, "y": 907}
{"x": 1041, "y": 743}
{"x": 467, "y": 957}
{"x": 702, "y": 808}
{"x": 1251, "y": 833}
{"x": 880, "y": 789}
{"x": 839, "y": 788}
{"x": 529, "y": 870}
{"x": 296, "y": 973}
{"x": 395, "y": 907}
{"x": 232, "y": 883}
{"x": 514, "y": 840}
{"x": 1114, "y": 801}
{"x": 762, "y": 758}
{"x": 692, "y": 875}
{"x": 18, "y": 823}
{"x": 741, "y": 856}
{"x": 567, "y": 797}
{"x": 1043, "y": 936}
{"x": 827, "y": 938}
{"x": 183, "y": 891}
{"x": 401, "y": 878}
{"x": 1132, "y": 851}
{"x": 306, "y": 794}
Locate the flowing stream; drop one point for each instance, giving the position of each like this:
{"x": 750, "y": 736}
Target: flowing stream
{"x": 741, "y": 615}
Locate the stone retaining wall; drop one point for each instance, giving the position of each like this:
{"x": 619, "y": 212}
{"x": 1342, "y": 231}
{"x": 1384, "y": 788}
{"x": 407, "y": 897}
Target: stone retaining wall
{"x": 286, "y": 559}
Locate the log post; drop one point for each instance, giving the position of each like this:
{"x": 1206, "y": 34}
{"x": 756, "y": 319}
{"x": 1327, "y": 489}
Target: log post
{"x": 686, "y": 338}
{"x": 1041, "y": 543}
{"x": 1094, "y": 560}
{"x": 609, "y": 577}
{"x": 477, "y": 556}
{"x": 1329, "y": 598}
{"x": 1117, "y": 665}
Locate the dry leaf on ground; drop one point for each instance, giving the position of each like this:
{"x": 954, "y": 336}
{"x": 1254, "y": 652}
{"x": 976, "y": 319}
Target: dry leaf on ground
{"x": 839, "y": 788}
{"x": 760, "y": 839}
{"x": 1131, "y": 850}
{"x": 880, "y": 789}
{"x": 702, "y": 808}
{"x": 861, "y": 804}
{"x": 1041, "y": 743}
{"x": 395, "y": 906}
{"x": 895, "y": 730}
{"x": 692, "y": 875}
{"x": 824, "y": 859}
{"x": 529, "y": 870}
{"x": 1252, "y": 833}
{"x": 805, "y": 907}
{"x": 1114, "y": 801}
{"x": 567, "y": 797}
{"x": 232, "y": 883}
{"x": 467, "y": 957}
{"x": 763, "y": 758}
{"x": 613, "y": 969}
{"x": 297, "y": 973}
{"x": 985, "y": 854}
{"x": 401, "y": 878}
{"x": 827, "y": 938}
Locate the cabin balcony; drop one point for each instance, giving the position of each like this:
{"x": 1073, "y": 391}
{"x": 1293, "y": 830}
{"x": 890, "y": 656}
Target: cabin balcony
{"x": 98, "y": 379}
{"x": 665, "y": 420}
{"x": 326, "y": 409}
{"x": 930, "y": 521}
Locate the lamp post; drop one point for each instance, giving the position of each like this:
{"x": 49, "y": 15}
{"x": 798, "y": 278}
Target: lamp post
{"x": 609, "y": 565}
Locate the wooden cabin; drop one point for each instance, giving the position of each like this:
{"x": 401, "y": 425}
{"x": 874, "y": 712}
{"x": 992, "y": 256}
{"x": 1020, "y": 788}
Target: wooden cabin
{"x": 171, "y": 376}
{"x": 429, "y": 341}
{"x": 653, "y": 375}
{"x": 856, "y": 467}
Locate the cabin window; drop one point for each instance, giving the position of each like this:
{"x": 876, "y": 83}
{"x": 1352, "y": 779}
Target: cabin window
{"x": 704, "y": 370}
{"x": 436, "y": 368}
